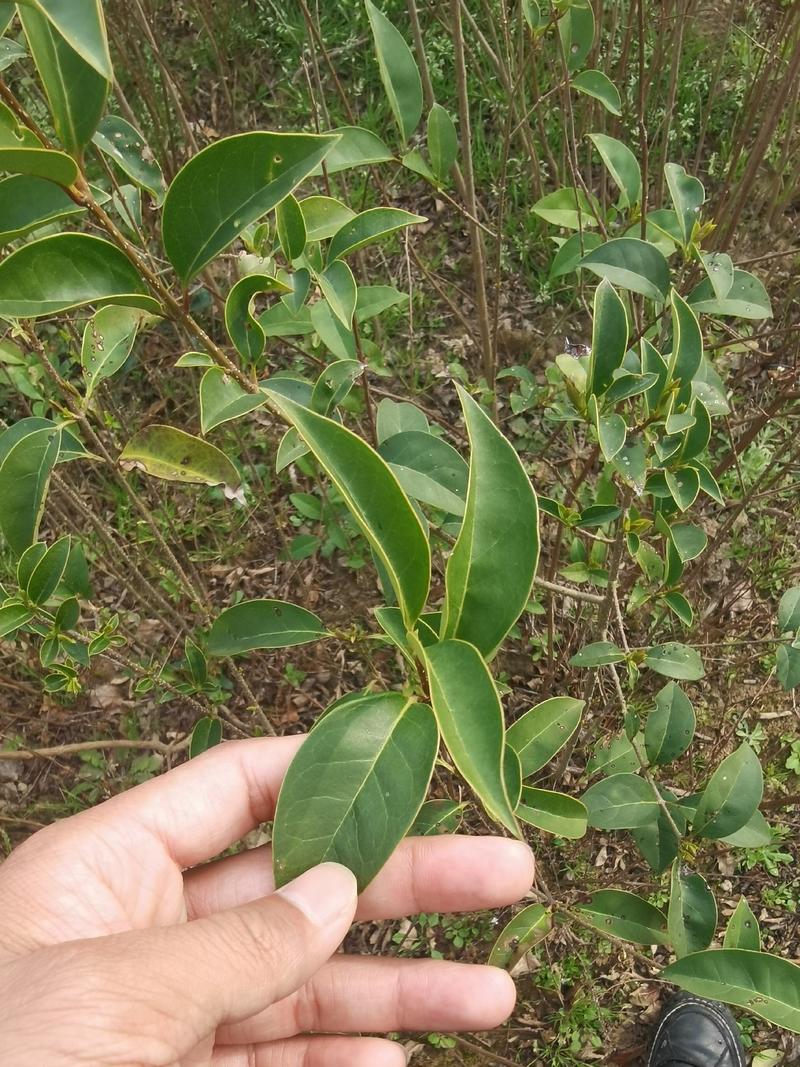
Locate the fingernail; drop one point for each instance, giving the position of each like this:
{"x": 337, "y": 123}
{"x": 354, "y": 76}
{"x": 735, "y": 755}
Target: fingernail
{"x": 324, "y": 894}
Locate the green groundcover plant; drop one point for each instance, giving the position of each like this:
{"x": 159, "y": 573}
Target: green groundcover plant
{"x": 645, "y": 396}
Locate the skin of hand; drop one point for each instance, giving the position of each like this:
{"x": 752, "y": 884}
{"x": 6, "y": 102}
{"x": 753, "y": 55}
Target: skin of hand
{"x": 122, "y": 946}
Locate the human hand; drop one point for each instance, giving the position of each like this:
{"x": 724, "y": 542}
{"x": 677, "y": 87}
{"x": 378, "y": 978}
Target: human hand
{"x": 113, "y": 953}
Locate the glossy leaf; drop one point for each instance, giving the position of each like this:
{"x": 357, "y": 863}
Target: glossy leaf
{"x": 658, "y": 842}
{"x": 611, "y": 433}
{"x": 690, "y": 541}
{"x": 393, "y": 418}
{"x": 323, "y": 216}
{"x": 683, "y": 485}
{"x": 82, "y": 26}
{"x": 121, "y": 142}
{"x": 754, "y": 834}
{"x": 764, "y": 985}
{"x": 10, "y": 51}
{"x": 526, "y": 929}
{"x": 291, "y": 226}
{"x": 12, "y": 617}
{"x": 470, "y": 718}
{"x": 623, "y": 167}
{"x": 374, "y": 496}
{"x": 743, "y": 930}
{"x": 21, "y": 152}
{"x": 576, "y": 29}
{"x": 437, "y": 817}
{"x": 428, "y": 468}
{"x": 339, "y": 288}
{"x": 597, "y": 654}
{"x": 501, "y": 521}
{"x": 746, "y": 299}
{"x": 787, "y": 666}
{"x": 624, "y": 915}
{"x": 670, "y": 726}
{"x": 75, "y": 91}
{"x": 65, "y": 271}
{"x": 680, "y": 606}
{"x": 614, "y": 756}
{"x": 567, "y": 207}
{"x": 206, "y": 734}
{"x": 28, "y": 202}
{"x": 543, "y": 731}
{"x": 244, "y": 329}
{"x": 731, "y": 796}
{"x": 222, "y": 399}
{"x": 555, "y": 813}
{"x": 334, "y": 383}
{"x": 262, "y": 624}
{"x": 194, "y": 359}
{"x": 355, "y": 786}
{"x": 789, "y": 610}
{"x": 621, "y": 802}
{"x": 675, "y": 660}
{"x": 687, "y": 347}
{"x": 609, "y": 338}
{"x": 687, "y": 194}
{"x": 230, "y": 184}
{"x": 692, "y": 914}
{"x": 24, "y": 480}
{"x": 176, "y": 456}
{"x": 512, "y": 774}
{"x": 367, "y": 227}
{"x": 399, "y": 72}
{"x": 49, "y": 571}
{"x": 356, "y": 147}
{"x": 631, "y": 264}
{"x": 568, "y": 258}
{"x": 598, "y": 85}
{"x": 442, "y": 141}
{"x": 107, "y": 342}
{"x": 719, "y": 268}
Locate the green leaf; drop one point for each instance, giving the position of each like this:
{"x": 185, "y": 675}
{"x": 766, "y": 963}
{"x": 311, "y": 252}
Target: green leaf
{"x": 374, "y": 496}
{"x": 367, "y": 227}
{"x": 437, "y": 817}
{"x": 399, "y": 72}
{"x": 334, "y": 383}
{"x": 21, "y": 152}
{"x": 680, "y": 606}
{"x": 442, "y": 142}
{"x": 339, "y": 288}
{"x": 526, "y": 929}
{"x": 687, "y": 194}
{"x": 624, "y": 915}
{"x": 355, "y": 787}
{"x": 12, "y": 617}
{"x": 75, "y": 91}
{"x": 512, "y": 774}
{"x": 49, "y": 571}
{"x": 576, "y": 29}
{"x": 731, "y": 796}
{"x": 754, "y": 834}
{"x": 222, "y": 399}
{"x": 623, "y": 167}
{"x": 501, "y": 522}
{"x": 692, "y": 914}
{"x": 323, "y": 215}
{"x": 687, "y": 347}
{"x": 598, "y": 85}
{"x": 719, "y": 268}
{"x": 670, "y": 726}
{"x": 555, "y": 813}
{"x": 28, "y": 202}
{"x": 291, "y": 226}
{"x": 698, "y": 436}
{"x": 428, "y": 468}
{"x": 244, "y": 329}
{"x": 206, "y": 734}
{"x": 543, "y": 731}
{"x": 631, "y": 264}
{"x": 356, "y": 147}
{"x": 262, "y": 624}
{"x": 82, "y": 26}
{"x": 121, "y": 142}
{"x": 621, "y": 802}
{"x": 176, "y": 456}
{"x": 228, "y": 185}
{"x": 470, "y": 718}
{"x": 372, "y": 300}
{"x": 613, "y": 757}
{"x": 107, "y": 342}
{"x": 10, "y": 51}
{"x": 611, "y": 433}
{"x": 28, "y": 561}
{"x": 194, "y": 359}
{"x": 684, "y": 485}
{"x": 631, "y": 463}
{"x": 743, "y": 930}
{"x": 787, "y": 666}
{"x": 746, "y": 299}
{"x": 690, "y": 541}
{"x": 675, "y": 660}
{"x": 764, "y": 985}
{"x": 658, "y": 842}
{"x": 65, "y": 271}
{"x": 598, "y": 654}
{"x": 395, "y": 418}
{"x": 567, "y": 207}
{"x": 24, "y": 480}
{"x": 609, "y": 339}
{"x": 789, "y": 610}
{"x": 567, "y": 259}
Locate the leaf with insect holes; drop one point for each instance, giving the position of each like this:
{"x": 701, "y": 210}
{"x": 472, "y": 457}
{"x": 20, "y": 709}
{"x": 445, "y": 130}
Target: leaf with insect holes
{"x": 746, "y": 299}
{"x": 262, "y": 624}
{"x": 576, "y": 29}
{"x": 675, "y": 660}
{"x": 470, "y": 718}
{"x": 670, "y": 726}
{"x": 743, "y": 930}
{"x": 123, "y": 143}
{"x": 731, "y": 796}
{"x": 230, "y": 184}
{"x": 107, "y": 342}
{"x": 692, "y": 914}
{"x": 176, "y": 456}
{"x": 526, "y": 929}
{"x": 399, "y": 72}
{"x": 437, "y": 817}
{"x": 624, "y": 915}
{"x": 355, "y": 787}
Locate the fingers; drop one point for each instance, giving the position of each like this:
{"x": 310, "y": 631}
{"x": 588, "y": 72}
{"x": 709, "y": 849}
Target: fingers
{"x": 313, "y": 1052}
{"x": 448, "y": 873}
{"x": 353, "y": 994}
{"x": 203, "y": 806}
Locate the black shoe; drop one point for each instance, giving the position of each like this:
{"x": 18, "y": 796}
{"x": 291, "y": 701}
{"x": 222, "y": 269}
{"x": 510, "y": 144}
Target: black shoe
{"x": 693, "y": 1032}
